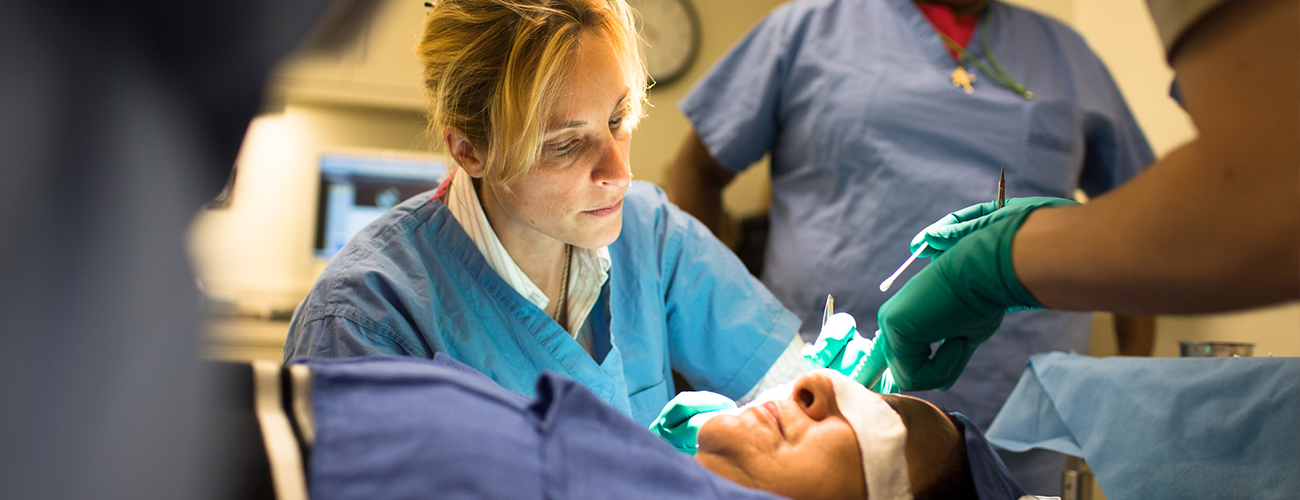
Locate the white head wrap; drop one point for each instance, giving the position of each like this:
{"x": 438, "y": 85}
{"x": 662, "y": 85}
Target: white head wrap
{"x": 881, "y": 436}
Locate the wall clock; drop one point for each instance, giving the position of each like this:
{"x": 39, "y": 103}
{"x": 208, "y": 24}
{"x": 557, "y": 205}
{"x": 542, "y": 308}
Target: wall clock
{"x": 671, "y": 33}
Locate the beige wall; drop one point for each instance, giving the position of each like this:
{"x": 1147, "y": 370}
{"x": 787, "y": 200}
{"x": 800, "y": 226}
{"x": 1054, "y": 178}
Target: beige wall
{"x": 662, "y": 132}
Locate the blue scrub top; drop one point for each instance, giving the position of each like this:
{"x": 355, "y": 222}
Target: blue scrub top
{"x": 870, "y": 142}
{"x": 414, "y": 284}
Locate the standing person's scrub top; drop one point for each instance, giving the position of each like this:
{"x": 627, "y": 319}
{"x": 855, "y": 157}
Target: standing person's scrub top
{"x": 870, "y": 142}
{"x": 413, "y": 283}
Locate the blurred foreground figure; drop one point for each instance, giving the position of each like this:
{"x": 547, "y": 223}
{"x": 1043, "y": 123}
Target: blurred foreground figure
{"x": 117, "y": 121}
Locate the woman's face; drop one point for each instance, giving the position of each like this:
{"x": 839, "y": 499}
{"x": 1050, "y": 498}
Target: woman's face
{"x": 802, "y": 447}
{"x": 575, "y": 192}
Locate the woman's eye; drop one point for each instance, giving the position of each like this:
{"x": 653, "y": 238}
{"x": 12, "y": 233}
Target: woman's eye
{"x": 565, "y": 148}
{"x": 615, "y": 122}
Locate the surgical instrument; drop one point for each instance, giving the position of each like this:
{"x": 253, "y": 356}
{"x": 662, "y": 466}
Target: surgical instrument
{"x": 829, "y": 310}
{"x": 1002, "y": 187}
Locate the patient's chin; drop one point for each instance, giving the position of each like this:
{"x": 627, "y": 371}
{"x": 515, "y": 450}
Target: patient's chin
{"x": 722, "y": 435}
{"x": 723, "y": 466}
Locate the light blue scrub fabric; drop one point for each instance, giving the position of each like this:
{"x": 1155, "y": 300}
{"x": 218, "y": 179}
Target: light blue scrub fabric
{"x": 1164, "y": 428}
{"x": 414, "y": 284}
{"x": 870, "y": 143}
{"x": 409, "y": 428}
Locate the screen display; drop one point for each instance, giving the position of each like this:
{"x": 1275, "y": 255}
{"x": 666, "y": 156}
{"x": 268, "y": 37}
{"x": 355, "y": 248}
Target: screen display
{"x": 356, "y": 189}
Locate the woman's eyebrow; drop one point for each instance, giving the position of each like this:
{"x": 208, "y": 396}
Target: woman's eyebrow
{"x": 567, "y": 125}
{"x": 581, "y": 123}
{"x": 620, "y": 100}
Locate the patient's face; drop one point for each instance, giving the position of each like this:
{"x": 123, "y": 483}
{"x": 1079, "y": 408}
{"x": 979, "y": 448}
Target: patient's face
{"x": 803, "y": 447}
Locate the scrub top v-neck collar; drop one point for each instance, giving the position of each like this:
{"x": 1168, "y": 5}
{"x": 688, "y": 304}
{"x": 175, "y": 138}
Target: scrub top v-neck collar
{"x": 590, "y": 267}
{"x": 606, "y": 378}
{"x": 928, "y": 41}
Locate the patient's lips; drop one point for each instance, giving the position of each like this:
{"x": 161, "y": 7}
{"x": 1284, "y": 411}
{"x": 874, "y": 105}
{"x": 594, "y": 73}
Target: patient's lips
{"x": 773, "y": 412}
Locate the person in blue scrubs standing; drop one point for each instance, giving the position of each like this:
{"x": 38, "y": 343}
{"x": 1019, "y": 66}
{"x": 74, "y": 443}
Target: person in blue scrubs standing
{"x": 539, "y": 253}
{"x": 883, "y": 115}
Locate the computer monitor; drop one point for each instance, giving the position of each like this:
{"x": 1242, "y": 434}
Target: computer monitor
{"x": 356, "y": 188}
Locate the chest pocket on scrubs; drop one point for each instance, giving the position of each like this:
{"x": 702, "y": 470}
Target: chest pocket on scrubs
{"x": 1054, "y": 149}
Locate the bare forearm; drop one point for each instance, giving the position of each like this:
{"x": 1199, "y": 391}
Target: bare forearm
{"x": 696, "y": 181}
{"x": 1169, "y": 242}
{"x": 692, "y": 194}
{"x": 1213, "y": 226}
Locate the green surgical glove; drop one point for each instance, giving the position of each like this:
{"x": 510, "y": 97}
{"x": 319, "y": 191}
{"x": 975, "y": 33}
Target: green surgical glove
{"x": 680, "y": 421}
{"x": 959, "y": 299}
{"x": 840, "y": 348}
{"x": 947, "y": 231}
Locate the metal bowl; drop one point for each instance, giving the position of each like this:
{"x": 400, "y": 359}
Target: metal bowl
{"x": 1213, "y": 349}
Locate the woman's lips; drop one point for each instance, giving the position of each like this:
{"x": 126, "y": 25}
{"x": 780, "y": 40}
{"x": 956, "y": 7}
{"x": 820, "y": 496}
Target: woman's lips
{"x": 606, "y": 210}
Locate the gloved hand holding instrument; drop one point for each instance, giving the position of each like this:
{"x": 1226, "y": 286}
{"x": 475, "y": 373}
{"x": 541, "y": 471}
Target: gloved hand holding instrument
{"x": 842, "y": 348}
{"x": 959, "y": 299}
{"x": 838, "y": 347}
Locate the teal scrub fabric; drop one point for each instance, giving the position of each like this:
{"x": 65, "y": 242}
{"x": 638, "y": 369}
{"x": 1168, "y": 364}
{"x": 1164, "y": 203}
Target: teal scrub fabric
{"x": 414, "y": 284}
{"x": 1164, "y": 427}
{"x": 870, "y": 143}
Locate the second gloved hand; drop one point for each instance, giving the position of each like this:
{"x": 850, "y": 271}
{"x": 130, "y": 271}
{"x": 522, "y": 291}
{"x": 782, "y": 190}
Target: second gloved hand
{"x": 680, "y": 421}
{"x": 959, "y": 300}
{"x": 947, "y": 231}
{"x": 840, "y": 347}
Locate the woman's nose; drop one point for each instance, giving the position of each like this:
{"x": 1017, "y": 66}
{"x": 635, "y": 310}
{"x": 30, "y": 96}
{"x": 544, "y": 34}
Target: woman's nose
{"x": 815, "y": 395}
{"x": 614, "y": 169}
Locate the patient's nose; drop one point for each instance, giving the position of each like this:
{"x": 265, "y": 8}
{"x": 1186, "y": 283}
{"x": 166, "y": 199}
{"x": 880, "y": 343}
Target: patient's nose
{"x": 815, "y": 395}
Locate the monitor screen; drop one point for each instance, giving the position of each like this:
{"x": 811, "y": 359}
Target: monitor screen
{"x": 355, "y": 189}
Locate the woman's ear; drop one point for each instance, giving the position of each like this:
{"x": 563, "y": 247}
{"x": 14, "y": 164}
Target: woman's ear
{"x": 463, "y": 152}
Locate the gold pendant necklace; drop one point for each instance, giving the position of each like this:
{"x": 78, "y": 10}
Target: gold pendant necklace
{"x": 962, "y": 78}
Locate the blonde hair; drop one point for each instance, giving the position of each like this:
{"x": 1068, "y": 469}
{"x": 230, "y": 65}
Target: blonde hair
{"x": 492, "y": 68}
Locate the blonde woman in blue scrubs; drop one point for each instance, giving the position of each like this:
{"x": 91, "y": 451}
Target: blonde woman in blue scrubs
{"x": 539, "y": 253}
